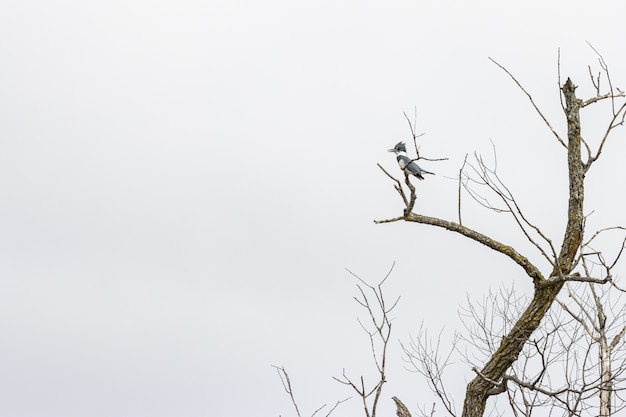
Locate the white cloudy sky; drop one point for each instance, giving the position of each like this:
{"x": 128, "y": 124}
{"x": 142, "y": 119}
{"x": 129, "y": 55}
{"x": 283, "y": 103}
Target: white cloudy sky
{"x": 184, "y": 183}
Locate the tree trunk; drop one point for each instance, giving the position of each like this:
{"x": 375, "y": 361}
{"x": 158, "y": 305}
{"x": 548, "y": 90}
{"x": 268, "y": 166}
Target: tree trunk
{"x": 546, "y": 290}
{"x": 606, "y": 380}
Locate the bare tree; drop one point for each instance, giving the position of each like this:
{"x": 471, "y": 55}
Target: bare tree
{"x": 574, "y": 362}
{"x": 518, "y": 355}
{"x": 565, "y": 262}
{"x": 379, "y": 334}
{"x": 372, "y": 299}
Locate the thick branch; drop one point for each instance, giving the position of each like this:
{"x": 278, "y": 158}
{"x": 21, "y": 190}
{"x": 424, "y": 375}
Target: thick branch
{"x": 521, "y": 260}
{"x": 575, "y": 218}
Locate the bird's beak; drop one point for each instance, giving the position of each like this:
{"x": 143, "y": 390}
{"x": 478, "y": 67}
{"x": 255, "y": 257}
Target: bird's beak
{"x": 391, "y": 150}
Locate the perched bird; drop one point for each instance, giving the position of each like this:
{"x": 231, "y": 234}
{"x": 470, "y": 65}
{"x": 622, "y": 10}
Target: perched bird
{"x": 406, "y": 163}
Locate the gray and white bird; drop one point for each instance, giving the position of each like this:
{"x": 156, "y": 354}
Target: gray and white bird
{"x": 406, "y": 163}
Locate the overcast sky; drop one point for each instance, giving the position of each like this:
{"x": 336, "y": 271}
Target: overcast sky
{"x": 184, "y": 183}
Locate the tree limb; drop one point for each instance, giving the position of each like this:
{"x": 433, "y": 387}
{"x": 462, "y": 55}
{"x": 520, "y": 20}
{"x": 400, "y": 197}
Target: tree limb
{"x": 519, "y": 259}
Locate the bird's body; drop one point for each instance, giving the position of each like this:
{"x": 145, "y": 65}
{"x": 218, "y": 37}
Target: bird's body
{"x": 406, "y": 163}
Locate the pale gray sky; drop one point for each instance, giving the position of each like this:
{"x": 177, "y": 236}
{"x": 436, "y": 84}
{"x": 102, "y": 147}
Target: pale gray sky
{"x": 183, "y": 184}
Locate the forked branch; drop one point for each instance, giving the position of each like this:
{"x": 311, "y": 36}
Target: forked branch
{"x": 286, "y": 382}
{"x": 372, "y": 299}
{"x": 426, "y": 358}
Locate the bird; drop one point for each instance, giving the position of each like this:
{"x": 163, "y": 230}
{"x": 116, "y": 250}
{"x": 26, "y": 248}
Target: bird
{"x": 406, "y": 163}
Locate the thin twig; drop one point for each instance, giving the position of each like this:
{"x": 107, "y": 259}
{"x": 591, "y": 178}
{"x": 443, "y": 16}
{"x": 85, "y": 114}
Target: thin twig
{"x": 532, "y": 102}
{"x": 460, "y": 184}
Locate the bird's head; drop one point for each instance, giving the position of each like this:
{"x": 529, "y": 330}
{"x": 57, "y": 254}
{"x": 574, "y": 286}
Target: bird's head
{"x": 399, "y": 148}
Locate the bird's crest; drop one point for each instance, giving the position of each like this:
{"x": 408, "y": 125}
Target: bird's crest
{"x": 400, "y": 146}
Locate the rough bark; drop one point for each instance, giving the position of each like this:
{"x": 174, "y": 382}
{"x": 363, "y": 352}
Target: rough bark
{"x": 401, "y": 409}
{"x": 546, "y": 290}
{"x": 519, "y": 259}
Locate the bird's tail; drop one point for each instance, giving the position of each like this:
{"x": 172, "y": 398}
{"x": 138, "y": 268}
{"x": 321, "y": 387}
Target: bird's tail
{"x": 427, "y": 172}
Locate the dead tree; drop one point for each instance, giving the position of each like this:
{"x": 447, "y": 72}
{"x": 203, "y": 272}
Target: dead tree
{"x": 564, "y": 261}
{"x": 373, "y": 301}
{"x": 574, "y": 364}
{"x": 378, "y": 328}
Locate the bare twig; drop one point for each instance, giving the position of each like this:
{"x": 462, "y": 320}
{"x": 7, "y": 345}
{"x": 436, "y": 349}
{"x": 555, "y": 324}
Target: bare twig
{"x": 615, "y": 122}
{"x": 397, "y": 186}
{"x": 460, "y": 184}
{"x": 412, "y": 127}
{"x": 392, "y": 220}
{"x": 618, "y": 113}
{"x": 336, "y": 405}
{"x": 378, "y": 312}
{"x": 284, "y": 379}
{"x": 414, "y": 136}
{"x": 558, "y": 66}
{"x": 489, "y": 178}
{"x": 426, "y": 359}
{"x": 561, "y": 141}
